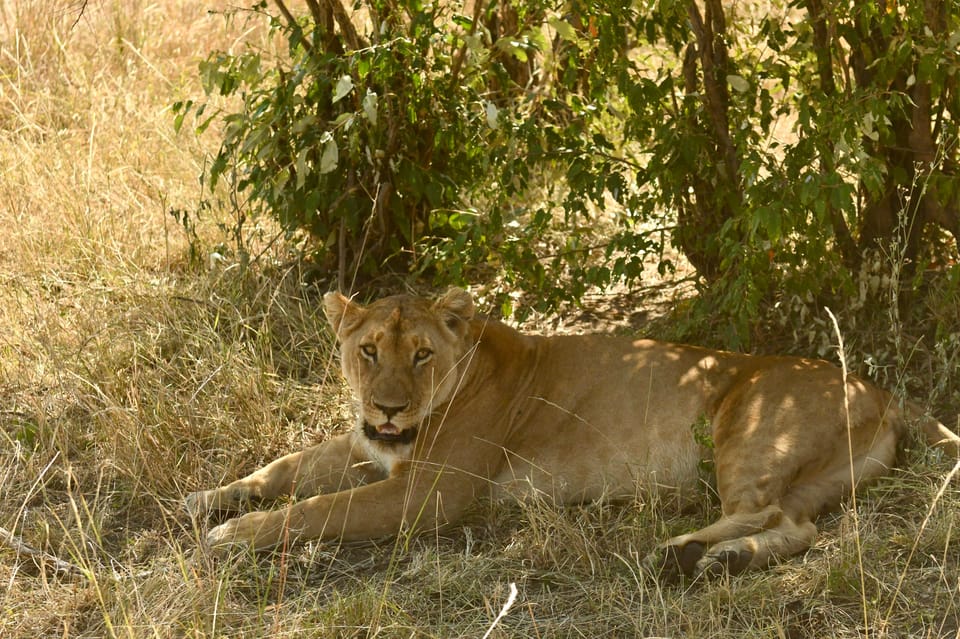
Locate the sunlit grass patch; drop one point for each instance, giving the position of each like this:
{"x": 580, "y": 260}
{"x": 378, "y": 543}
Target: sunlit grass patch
{"x": 130, "y": 376}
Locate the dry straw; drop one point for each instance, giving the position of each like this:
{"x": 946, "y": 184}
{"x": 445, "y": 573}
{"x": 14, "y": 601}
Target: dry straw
{"x": 129, "y": 377}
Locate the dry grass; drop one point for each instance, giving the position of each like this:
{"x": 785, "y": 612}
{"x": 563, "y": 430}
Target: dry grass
{"x": 128, "y": 378}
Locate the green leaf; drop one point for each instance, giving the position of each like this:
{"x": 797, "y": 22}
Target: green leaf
{"x": 490, "y": 109}
{"x": 564, "y": 29}
{"x": 303, "y": 124}
{"x": 344, "y": 87}
{"x": 370, "y": 106}
{"x": 330, "y": 157}
{"x": 738, "y": 84}
{"x": 301, "y": 167}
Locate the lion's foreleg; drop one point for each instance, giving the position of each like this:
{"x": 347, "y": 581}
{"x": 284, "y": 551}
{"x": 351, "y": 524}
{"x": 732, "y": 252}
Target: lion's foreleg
{"x": 330, "y": 466}
{"x": 381, "y": 509}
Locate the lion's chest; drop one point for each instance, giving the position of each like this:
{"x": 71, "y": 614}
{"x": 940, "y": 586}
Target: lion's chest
{"x": 390, "y": 457}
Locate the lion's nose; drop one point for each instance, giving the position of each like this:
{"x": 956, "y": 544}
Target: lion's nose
{"x": 390, "y": 410}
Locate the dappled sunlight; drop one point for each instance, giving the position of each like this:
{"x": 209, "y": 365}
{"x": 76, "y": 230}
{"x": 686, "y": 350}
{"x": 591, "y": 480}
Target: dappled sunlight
{"x": 144, "y": 359}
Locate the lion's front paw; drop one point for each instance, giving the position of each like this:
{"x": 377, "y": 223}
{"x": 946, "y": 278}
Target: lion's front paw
{"x": 226, "y": 535}
{"x": 226, "y": 499}
{"x": 254, "y": 530}
{"x": 199, "y": 503}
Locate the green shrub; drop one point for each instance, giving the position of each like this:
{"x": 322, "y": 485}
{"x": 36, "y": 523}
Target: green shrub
{"x": 555, "y": 146}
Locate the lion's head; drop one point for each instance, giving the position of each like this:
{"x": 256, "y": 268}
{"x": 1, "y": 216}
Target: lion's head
{"x": 401, "y": 356}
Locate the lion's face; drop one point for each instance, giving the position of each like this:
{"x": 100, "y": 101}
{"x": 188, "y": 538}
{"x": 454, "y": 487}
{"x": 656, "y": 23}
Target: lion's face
{"x": 401, "y": 357}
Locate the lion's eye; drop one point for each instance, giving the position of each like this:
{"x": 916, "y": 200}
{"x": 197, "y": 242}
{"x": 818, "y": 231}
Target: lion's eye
{"x": 421, "y": 356}
{"x": 369, "y": 351}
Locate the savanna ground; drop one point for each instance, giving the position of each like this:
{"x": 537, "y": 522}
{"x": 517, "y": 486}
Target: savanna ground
{"x": 130, "y": 376}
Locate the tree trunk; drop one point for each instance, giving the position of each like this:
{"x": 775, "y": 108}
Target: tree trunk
{"x": 716, "y": 194}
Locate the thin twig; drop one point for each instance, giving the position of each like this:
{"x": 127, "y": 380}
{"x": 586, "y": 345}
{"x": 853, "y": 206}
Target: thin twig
{"x": 507, "y": 605}
{"x": 596, "y": 247}
{"x": 83, "y": 7}
{"x": 39, "y": 557}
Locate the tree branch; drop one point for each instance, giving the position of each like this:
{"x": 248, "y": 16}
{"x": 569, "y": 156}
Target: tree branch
{"x": 933, "y": 205}
{"x": 292, "y": 21}
{"x": 347, "y": 30}
{"x": 821, "y": 43}
{"x": 317, "y": 13}
{"x": 462, "y": 52}
{"x": 849, "y": 252}
{"x": 710, "y": 30}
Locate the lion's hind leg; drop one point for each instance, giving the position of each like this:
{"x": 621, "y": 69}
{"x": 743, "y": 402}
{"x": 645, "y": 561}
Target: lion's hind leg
{"x": 757, "y": 550}
{"x": 751, "y": 534}
{"x": 681, "y": 555}
{"x": 732, "y": 544}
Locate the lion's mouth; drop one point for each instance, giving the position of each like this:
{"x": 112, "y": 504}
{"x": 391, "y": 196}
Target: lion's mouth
{"x": 389, "y": 432}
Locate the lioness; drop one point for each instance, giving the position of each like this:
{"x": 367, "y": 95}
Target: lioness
{"x": 454, "y": 407}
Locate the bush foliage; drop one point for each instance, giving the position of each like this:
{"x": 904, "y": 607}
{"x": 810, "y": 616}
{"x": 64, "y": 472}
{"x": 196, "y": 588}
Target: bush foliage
{"x": 559, "y": 145}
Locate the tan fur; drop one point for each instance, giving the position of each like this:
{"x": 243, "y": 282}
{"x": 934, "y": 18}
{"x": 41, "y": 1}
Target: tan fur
{"x": 502, "y": 414}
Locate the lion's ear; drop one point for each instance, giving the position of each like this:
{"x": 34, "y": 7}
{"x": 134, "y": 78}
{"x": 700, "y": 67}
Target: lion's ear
{"x": 341, "y": 312}
{"x": 455, "y": 307}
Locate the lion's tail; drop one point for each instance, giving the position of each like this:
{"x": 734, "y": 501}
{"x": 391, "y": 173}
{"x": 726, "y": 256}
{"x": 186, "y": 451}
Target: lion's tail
{"x": 934, "y": 432}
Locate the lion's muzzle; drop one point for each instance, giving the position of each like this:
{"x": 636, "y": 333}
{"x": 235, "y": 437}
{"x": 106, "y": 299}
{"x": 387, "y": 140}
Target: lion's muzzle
{"x": 388, "y": 432}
